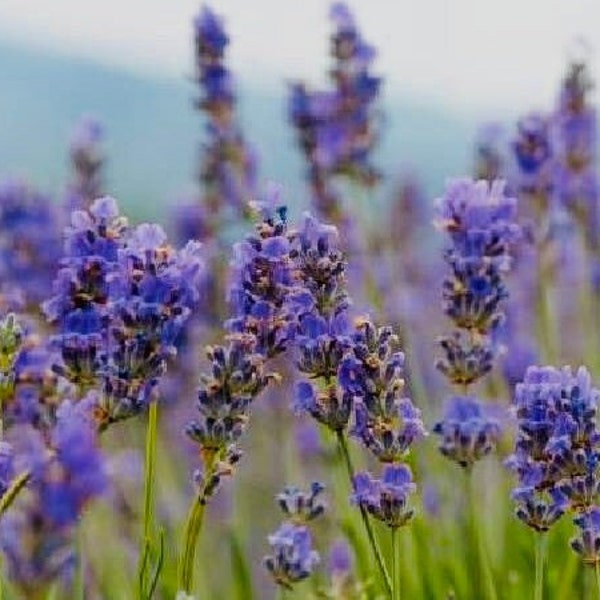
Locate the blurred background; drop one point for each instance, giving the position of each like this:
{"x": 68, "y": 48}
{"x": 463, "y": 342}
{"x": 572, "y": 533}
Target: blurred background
{"x": 448, "y": 66}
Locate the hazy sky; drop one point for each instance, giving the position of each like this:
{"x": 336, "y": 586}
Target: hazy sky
{"x": 468, "y": 54}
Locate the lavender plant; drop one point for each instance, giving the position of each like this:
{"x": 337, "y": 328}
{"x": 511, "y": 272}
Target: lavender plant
{"x": 293, "y": 557}
{"x": 336, "y": 128}
{"x": 87, "y": 159}
{"x": 480, "y": 221}
{"x": 556, "y": 453}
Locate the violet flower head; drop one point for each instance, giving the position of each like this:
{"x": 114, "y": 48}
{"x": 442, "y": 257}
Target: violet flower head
{"x": 480, "y": 220}
{"x": 556, "y": 450}
{"x": 299, "y": 506}
{"x": 386, "y": 499}
{"x": 87, "y": 159}
{"x": 84, "y": 287}
{"x": 587, "y": 542}
{"x": 292, "y": 557}
{"x": 386, "y": 421}
{"x": 261, "y": 280}
{"x": 7, "y": 470}
{"x": 228, "y": 169}
{"x": 37, "y": 533}
{"x": 236, "y": 377}
{"x": 30, "y": 244}
{"x": 533, "y": 154}
{"x": 324, "y": 335}
{"x": 467, "y": 431}
{"x": 211, "y": 41}
{"x": 321, "y": 266}
{"x": 489, "y": 155}
{"x": 576, "y": 152}
{"x": 158, "y": 291}
{"x": 336, "y": 128}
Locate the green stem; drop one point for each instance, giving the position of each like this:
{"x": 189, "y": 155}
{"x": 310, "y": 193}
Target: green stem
{"x": 540, "y": 558}
{"x": 395, "y": 564}
{"x": 597, "y": 574}
{"x": 483, "y": 562}
{"x": 545, "y": 319}
{"x": 282, "y": 594}
{"x": 193, "y": 528}
{"x": 151, "y": 436}
{"x": 364, "y": 516}
{"x": 79, "y": 583}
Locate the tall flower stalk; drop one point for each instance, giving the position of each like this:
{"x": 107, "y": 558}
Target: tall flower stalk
{"x": 556, "y": 456}
{"x": 535, "y": 184}
{"x": 336, "y": 128}
{"x": 259, "y": 328}
{"x": 353, "y": 371}
{"x": 479, "y": 219}
{"x": 122, "y": 297}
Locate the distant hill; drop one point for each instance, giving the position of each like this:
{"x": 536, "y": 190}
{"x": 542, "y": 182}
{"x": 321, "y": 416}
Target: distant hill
{"x": 154, "y": 132}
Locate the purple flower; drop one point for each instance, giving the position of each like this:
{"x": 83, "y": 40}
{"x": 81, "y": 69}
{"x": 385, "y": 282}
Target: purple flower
{"x": 468, "y": 432}
{"x": 36, "y": 535}
{"x": 300, "y": 506}
{"x": 236, "y": 377}
{"x": 87, "y": 159}
{"x": 88, "y": 279}
{"x": 336, "y": 128}
{"x": 386, "y": 422}
{"x": 30, "y": 243}
{"x": 228, "y": 171}
{"x": 556, "y": 450}
{"x": 340, "y": 559}
{"x": 587, "y": 543}
{"x": 262, "y": 277}
{"x": 7, "y": 471}
{"x": 292, "y": 557}
{"x": 386, "y": 499}
{"x": 480, "y": 221}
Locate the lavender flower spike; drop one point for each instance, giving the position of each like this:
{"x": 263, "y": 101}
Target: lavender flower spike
{"x": 386, "y": 499}
{"x": 587, "y": 542}
{"x": 468, "y": 432}
{"x": 293, "y": 558}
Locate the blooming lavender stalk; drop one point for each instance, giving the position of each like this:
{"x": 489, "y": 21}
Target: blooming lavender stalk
{"x": 87, "y": 160}
{"x": 293, "y": 557}
{"x": 575, "y": 140}
{"x": 387, "y": 423}
{"x": 535, "y": 184}
{"x": 261, "y": 278}
{"x": 556, "y": 450}
{"x": 30, "y": 243}
{"x": 336, "y": 129}
{"x": 479, "y": 219}
{"x": 123, "y": 296}
{"x": 81, "y": 306}
{"x": 228, "y": 171}
{"x": 65, "y": 477}
{"x": 352, "y": 369}
{"x": 236, "y": 377}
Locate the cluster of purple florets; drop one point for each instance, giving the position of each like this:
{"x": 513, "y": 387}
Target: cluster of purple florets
{"x": 479, "y": 219}
{"x": 335, "y": 128}
{"x": 293, "y": 557}
{"x": 557, "y": 450}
